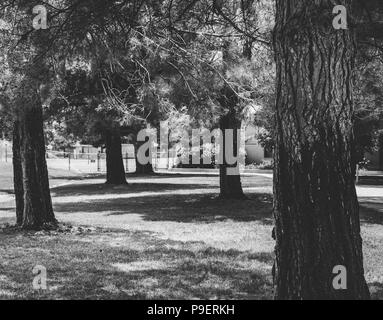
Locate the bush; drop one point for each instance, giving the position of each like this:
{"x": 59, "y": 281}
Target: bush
{"x": 264, "y": 165}
{"x": 363, "y": 165}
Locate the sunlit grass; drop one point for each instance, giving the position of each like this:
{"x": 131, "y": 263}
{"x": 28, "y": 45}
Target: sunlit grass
{"x": 159, "y": 238}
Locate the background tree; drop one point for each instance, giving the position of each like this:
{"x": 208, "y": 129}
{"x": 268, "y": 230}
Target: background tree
{"x": 368, "y": 102}
{"x": 215, "y": 50}
{"x": 36, "y": 57}
{"x": 27, "y": 73}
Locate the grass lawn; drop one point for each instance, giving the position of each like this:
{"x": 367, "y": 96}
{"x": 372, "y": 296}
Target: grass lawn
{"x": 161, "y": 237}
{"x": 57, "y": 176}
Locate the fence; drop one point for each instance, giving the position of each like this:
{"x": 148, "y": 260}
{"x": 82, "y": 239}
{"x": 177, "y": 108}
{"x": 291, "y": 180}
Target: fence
{"x": 86, "y": 162}
{"x": 89, "y": 162}
{"x": 165, "y": 160}
{"x": 5, "y": 151}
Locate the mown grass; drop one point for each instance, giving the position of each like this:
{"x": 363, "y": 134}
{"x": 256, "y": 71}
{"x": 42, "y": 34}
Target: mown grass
{"x": 137, "y": 267}
{"x": 161, "y": 237}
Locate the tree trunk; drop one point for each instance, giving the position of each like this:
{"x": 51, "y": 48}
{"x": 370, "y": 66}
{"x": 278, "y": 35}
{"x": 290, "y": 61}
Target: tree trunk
{"x": 230, "y": 185}
{"x": 381, "y": 151}
{"x": 316, "y": 209}
{"x": 142, "y": 169}
{"x": 37, "y": 207}
{"x": 115, "y": 171}
{"x": 18, "y": 174}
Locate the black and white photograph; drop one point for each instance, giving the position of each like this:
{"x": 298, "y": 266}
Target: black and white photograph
{"x": 191, "y": 155}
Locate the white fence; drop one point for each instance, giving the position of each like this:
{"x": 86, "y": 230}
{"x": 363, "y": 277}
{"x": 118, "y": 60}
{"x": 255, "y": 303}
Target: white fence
{"x": 86, "y": 162}
{"x": 89, "y": 162}
{"x": 5, "y": 151}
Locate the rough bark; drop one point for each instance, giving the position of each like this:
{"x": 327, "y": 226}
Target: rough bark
{"x": 230, "y": 185}
{"x": 37, "y": 210}
{"x": 381, "y": 152}
{"x": 316, "y": 209}
{"x": 18, "y": 174}
{"x": 115, "y": 171}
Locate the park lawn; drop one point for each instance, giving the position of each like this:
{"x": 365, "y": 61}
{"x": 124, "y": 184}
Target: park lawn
{"x": 56, "y": 176}
{"x": 160, "y": 237}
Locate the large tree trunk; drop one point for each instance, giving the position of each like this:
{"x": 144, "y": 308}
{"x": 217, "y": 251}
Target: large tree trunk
{"x": 142, "y": 169}
{"x": 115, "y": 171}
{"x": 37, "y": 206}
{"x": 316, "y": 208}
{"x": 230, "y": 185}
{"x": 18, "y": 174}
{"x": 381, "y": 151}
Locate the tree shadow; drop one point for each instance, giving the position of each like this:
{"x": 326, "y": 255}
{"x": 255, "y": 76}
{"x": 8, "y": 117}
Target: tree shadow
{"x": 371, "y": 210}
{"x": 376, "y": 290}
{"x": 164, "y": 197}
{"x": 7, "y": 191}
{"x": 371, "y": 181}
{"x": 109, "y": 265}
{"x": 7, "y": 220}
{"x": 129, "y": 189}
{"x": 170, "y": 206}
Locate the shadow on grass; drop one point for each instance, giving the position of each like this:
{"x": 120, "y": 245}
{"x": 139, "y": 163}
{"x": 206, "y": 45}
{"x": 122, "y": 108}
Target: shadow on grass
{"x": 371, "y": 181}
{"x": 201, "y": 208}
{"x": 7, "y": 220}
{"x": 180, "y": 198}
{"x": 7, "y": 191}
{"x": 376, "y": 290}
{"x": 169, "y": 206}
{"x": 130, "y": 265}
{"x": 371, "y": 210}
{"x": 102, "y": 189}
{"x": 158, "y": 182}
